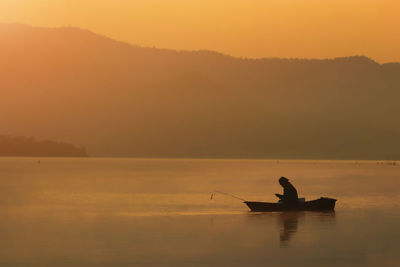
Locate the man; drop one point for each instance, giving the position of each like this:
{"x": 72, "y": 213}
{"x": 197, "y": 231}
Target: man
{"x": 289, "y": 192}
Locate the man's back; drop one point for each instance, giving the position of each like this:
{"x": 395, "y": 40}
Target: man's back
{"x": 289, "y": 193}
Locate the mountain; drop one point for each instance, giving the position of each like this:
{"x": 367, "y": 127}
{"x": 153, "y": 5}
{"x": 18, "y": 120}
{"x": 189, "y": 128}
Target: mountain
{"x": 119, "y": 99}
{"x": 29, "y": 147}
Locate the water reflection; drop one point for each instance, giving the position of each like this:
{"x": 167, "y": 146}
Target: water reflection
{"x": 289, "y": 223}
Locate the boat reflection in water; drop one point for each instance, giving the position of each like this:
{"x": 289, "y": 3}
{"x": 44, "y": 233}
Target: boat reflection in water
{"x": 288, "y": 224}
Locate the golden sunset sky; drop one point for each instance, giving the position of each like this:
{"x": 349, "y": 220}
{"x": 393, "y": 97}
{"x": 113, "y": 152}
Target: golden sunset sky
{"x": 245, "y": 28}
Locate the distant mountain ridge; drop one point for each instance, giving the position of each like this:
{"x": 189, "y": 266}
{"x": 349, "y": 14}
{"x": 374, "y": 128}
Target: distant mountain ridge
{"x": 20, "y": 146}
{"x": 124, "y": 100}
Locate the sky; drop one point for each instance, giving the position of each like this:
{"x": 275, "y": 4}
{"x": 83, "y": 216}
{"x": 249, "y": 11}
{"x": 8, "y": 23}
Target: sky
{"x": 243, "y": 28}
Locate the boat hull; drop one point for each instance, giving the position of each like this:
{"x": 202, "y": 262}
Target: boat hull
{"x": 321, "y": 204}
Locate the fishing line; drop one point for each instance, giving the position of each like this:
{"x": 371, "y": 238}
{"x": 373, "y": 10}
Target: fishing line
{"x": 227, "y": 194}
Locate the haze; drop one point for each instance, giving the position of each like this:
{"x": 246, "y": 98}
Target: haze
{"x": 273, "y": 28}
{"x": 72, "y": 85}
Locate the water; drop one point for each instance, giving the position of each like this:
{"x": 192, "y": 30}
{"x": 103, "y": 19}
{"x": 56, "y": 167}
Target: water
{"x": 141, "y": 212}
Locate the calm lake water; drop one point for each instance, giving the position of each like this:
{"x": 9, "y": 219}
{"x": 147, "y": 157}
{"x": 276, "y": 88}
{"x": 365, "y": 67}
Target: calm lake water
{"x": 158, "y": 212}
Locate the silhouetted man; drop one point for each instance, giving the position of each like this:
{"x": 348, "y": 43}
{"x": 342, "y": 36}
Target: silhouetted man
{"x": 289, "y": 192}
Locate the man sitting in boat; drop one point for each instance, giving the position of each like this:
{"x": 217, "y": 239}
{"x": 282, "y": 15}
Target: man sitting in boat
{"x": 289, "y": 192}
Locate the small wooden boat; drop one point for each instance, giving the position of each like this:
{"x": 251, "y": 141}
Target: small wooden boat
{"x": 321, "y": 204}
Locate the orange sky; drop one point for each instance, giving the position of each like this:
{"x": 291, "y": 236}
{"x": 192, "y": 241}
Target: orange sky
{"x": 248, "y": 28}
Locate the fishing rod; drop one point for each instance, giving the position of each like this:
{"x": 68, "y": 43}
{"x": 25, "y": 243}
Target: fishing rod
{"x": 227, "y": 194}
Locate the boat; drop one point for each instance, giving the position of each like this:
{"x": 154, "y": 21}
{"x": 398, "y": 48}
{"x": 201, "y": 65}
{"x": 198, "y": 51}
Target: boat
{"x": 320, "y": 204}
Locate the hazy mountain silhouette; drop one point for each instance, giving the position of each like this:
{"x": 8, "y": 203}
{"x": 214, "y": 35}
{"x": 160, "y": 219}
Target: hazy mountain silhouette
{"x": 29, "y": 147}
{"x": 123, "y": 100}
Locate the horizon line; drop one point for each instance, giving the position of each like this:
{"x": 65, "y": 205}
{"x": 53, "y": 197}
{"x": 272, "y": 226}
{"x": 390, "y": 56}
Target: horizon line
{"x": 206, "y": 158}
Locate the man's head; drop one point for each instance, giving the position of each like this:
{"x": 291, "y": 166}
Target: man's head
{"x": 283, "y": 181}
